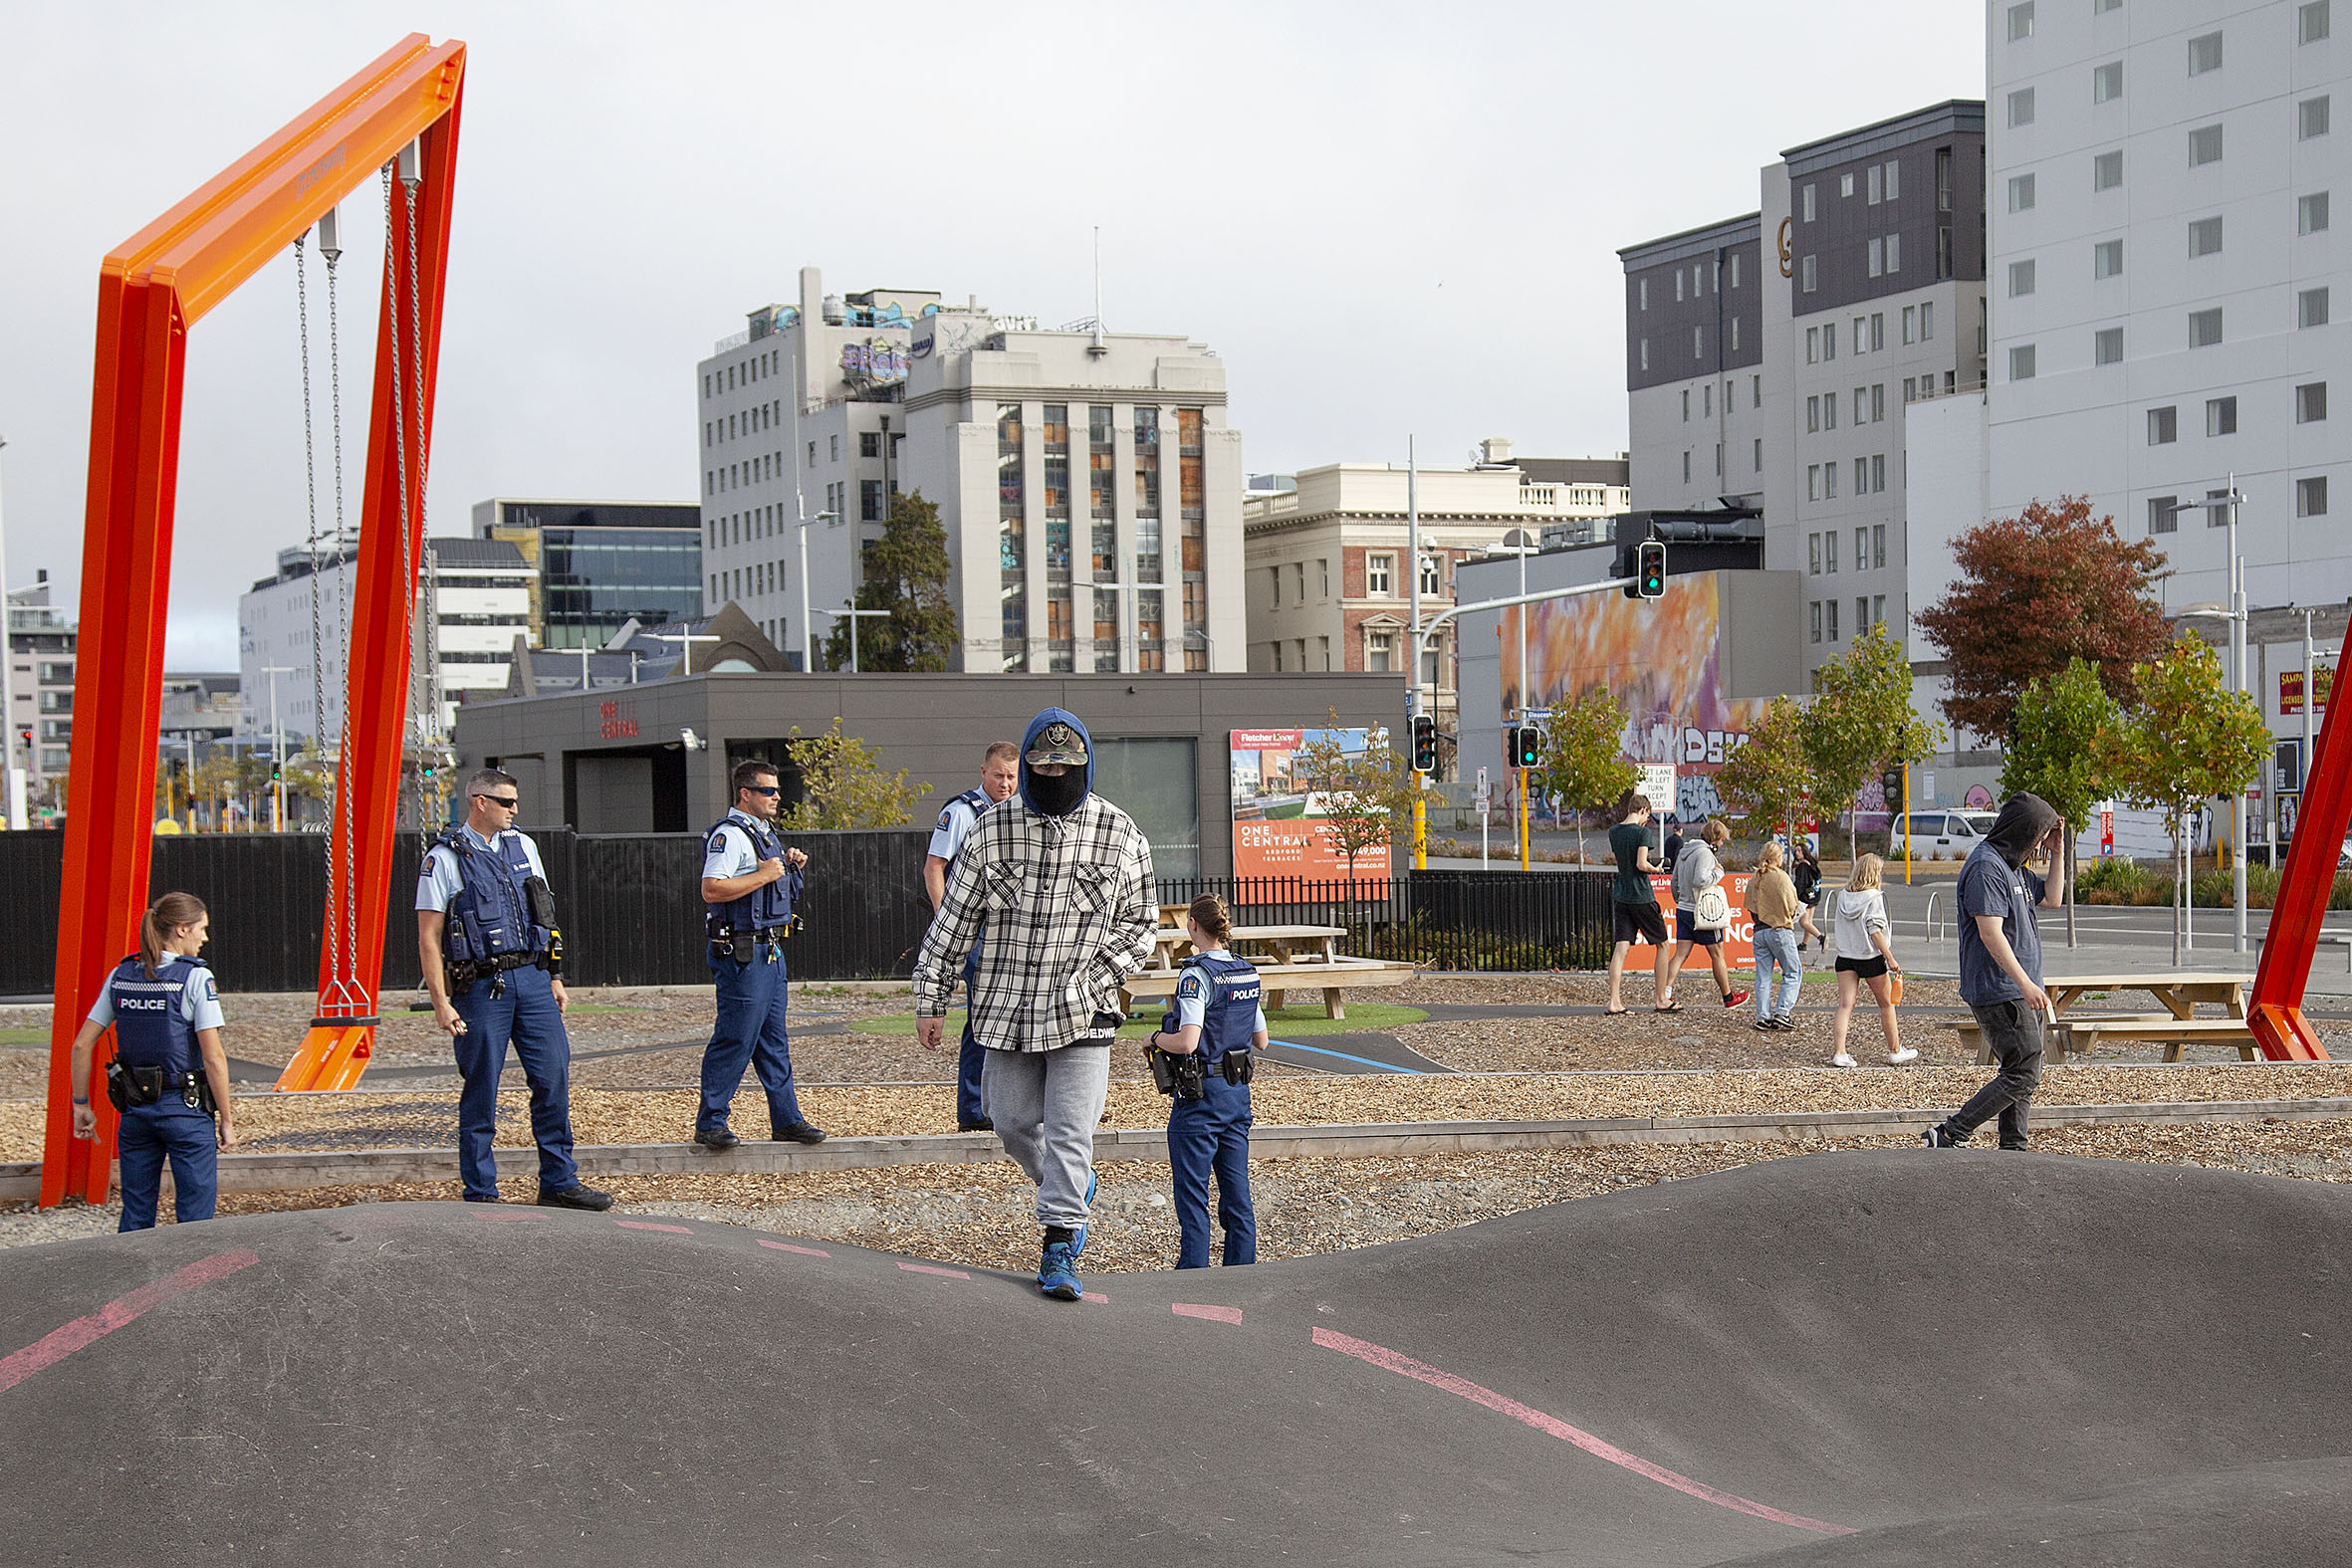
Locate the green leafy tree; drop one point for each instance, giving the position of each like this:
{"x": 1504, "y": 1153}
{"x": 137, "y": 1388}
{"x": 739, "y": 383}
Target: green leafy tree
{"x": 1584, "y": 761}
{"x": 2058, "y": 750}
{"x": 1767, "y": 778}
{"x": 843, "y": 786}
{"x": 906, "y": 573}
{"x": 2183, "y": 739}
{"x": 1861, "y": 720}
{"x": 2052, "y": 584}
{"x": 1367, "y": 796}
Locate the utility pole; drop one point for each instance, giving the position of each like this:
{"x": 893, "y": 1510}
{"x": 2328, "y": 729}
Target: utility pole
{"x": 13, "y": 773}
{"x": 2238, "y": 674}
{"x": 1413, "y": 655}
{"x": 854, "y": 616}
{"x": 278, "y": 747}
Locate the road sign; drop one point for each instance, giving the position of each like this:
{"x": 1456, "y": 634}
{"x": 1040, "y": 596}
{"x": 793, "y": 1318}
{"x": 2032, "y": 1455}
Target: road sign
{"x": 1657, "y": 782}
{"x": 1484, "y": 791}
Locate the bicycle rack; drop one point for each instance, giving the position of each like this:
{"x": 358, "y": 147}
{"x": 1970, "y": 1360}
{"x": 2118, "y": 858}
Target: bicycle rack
{"x": 1931, "y": 924}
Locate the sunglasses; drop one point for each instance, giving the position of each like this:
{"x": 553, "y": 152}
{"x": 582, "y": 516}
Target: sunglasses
{"x": 509, "y": 802}
{"x": 765, "y": 788}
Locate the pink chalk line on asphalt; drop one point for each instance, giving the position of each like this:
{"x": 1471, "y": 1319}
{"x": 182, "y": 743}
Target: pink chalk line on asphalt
{"x": 1599, "y": 1448}
{"x": 648, "y": 1225}
{"x": 787, "y": 1246}
{"x": 1214, "y": 1314}
{"x": 58, "y": 1343}
{"x": 934, "y": 1268}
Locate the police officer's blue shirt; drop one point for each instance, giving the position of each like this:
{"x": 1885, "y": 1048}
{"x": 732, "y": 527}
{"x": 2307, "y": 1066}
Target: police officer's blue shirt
{"x": 439, "y": 882}
{"x": 730, "y": 853}
{"x": 955, "y": 822}
{"x": 199, "y": 999}
{"x": 1192, "y": 998}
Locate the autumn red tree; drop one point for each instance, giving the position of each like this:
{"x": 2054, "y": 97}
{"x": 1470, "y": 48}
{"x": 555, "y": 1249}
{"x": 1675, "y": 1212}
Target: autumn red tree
{"x": 2034, "y": 591}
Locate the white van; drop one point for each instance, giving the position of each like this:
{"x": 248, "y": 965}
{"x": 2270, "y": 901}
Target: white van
{"x": 1939, "y": 836}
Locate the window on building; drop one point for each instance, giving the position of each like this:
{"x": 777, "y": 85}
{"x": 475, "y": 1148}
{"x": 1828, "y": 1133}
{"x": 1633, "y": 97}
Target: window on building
{"x": 1875, "y": 255}
{"x": 1816, "y": 618}
{"x": 1829, "y": 340}
{"x": 1147, "y": 550}
{"x": 2164, "y": 514}
{"x": 1759, "y": 454}
{"x": 2107, "y": 170}
{"x": 1379, "y": 575}
{"x": 1813, "y": 553}
{"x": 1878, "y": 470}
{"x": 2022, "y": 362}
{"x": 2099, "y": 7}
{"x": 2106, "y": 258}
{"x": 2310, "y": 309}
{"x": 1735, "y": 335}
{"x": 1698, "y": 342}
{"x": 1812, "y": 275}
{"x": 1147, "y": 462}
{"x": 1813, "y": 482}
{"x": 1805, "y": 200}
{"x": 2205, "y": 145}
{"x": 1861, "y": 405}
{"x": 1323, "y": 575}
{"x": 1645, "y": 353}
{"x": 2311, "y": 21}
{"x": 1878, "y": 331}
{"x": 2205, "y": 54}
{"x": 2020, "y": 108}
{"x": 1432, "y": 575}
{"x": 1861, "y": 488}
{"x": 1878, "y": 545}
{"x": 2021, "y": 276}
{"x": 2020, "y": 192}
{"x": 2204, "y": 328}
{"x": 1812, "y": 345}
{"x": 2107, "y": 345}
{"x": 2205, "y": 236}
{"x": 2220, "y": 416}
{"x": 1273, "y": 586}
{"x": 2311, "y": 119}
{"x": 2107, "y": 82}
{"x": 2021, "y": 20}
{"x": 1719, "y": 459}
{"x": 1379, "y": 651}
{"x": 1861, "y": 549}
{"x": 1678, "y": 286}
{"x": 1642, "y": 289}
{"x": 1910, "y": 323}
{"x": 2312, "y": 213}
{"x": 1813, "y": 414}
{"x": 1830, "y": 605}
{"x": 2311, "y": 496}
{"x": 2164, "y": 425}
{"x": 1830, "y": 410}
{"x": 869, "y": 500}
{"x": 2310, "y": 402}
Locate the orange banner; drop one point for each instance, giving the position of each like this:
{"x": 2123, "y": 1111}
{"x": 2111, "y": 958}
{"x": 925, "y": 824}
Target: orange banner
{"x": 1739, "y": 938}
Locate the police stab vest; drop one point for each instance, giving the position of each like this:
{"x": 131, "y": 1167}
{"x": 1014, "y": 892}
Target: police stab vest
{"x": 763, "y": 908}
{"x": 150, "y": 1029}
{"x": 1229, "y": 1013}
{"x": 490, "y": 917}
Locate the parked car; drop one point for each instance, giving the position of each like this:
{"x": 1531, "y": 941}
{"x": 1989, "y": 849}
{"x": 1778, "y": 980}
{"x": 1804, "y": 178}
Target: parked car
{"x": 1939, "y": 836}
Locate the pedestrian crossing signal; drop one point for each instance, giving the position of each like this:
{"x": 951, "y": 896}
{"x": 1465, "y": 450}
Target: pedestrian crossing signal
{"x": 1650, "y": 569}
{"x": 1526, "y": 747}
{"x": 1424, "y": 744}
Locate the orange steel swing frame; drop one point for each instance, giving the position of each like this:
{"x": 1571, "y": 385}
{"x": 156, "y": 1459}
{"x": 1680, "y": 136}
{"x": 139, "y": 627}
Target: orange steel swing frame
{"x": 152, "y": 290}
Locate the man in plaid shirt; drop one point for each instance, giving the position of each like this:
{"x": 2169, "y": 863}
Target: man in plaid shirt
{"x": 1064, "y": 881}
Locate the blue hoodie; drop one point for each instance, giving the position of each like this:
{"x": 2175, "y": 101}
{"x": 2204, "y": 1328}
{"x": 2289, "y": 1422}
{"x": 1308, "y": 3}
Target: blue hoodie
{"x": 1036, "y": 726}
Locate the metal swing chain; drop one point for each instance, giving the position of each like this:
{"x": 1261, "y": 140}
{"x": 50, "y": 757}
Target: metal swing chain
{"x": 423, "y": 684}
{"x": 310, "y": 458}
{"x": 345, "y": 914}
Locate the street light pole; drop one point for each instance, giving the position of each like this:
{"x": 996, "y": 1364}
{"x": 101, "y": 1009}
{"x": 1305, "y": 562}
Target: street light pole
{"x": 855, "y": 615}
{"x": 2237, "y": 673}
{"x": 1413, "y": 654}
{"x": 278, "y": 747}
{"x": 13, "y": 774}
{"x": 807, "y": 620}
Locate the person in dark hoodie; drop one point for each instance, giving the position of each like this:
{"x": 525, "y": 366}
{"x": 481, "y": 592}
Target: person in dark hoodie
{"x": 2001, "y": 964}
{"x": 1064, "y": 881}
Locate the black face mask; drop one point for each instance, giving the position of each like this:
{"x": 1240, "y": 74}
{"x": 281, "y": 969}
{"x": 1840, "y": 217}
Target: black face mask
{"x": 1058, "y": 796}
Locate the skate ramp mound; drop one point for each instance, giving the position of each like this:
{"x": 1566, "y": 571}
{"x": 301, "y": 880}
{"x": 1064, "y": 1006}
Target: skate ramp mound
{"x": 1829, "y": 1359}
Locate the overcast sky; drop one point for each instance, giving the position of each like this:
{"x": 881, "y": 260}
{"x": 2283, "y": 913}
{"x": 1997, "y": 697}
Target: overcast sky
{"x": 1384, "y": 217}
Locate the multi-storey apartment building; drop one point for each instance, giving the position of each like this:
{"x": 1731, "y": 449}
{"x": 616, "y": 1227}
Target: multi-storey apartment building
{"x": 41, "y": 651}
{"x": 1327, "y": 579}
{"x": 821, "y": 414}
{"x": 600, "y": 564}
{"x": 1693, "y": 364}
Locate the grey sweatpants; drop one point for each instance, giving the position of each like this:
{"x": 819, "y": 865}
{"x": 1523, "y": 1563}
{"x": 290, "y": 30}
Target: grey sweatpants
{"x": 1046, "y": 1105}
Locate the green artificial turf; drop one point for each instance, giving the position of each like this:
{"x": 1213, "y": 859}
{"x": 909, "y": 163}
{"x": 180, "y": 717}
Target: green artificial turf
{"x": 1300, "y": 1019}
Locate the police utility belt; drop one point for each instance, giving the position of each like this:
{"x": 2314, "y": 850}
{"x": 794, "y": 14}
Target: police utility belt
{"x": 1185, "y": 1076}
{"x": 744, "y": 944}
{"x": 464, "y": 971}
{"x": 146, "y": 1084}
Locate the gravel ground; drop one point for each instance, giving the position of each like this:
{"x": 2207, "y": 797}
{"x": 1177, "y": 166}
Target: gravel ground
{"x": 978, "y": 1216}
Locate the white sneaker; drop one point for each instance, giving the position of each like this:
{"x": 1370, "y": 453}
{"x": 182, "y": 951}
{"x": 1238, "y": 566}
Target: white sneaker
{"x": 1898, "y": 1057}
{"x": 1842, "y": 1059}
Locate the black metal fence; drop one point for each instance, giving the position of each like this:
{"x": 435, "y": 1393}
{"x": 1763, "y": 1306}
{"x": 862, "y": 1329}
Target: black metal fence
{"x": 632, "y": 908}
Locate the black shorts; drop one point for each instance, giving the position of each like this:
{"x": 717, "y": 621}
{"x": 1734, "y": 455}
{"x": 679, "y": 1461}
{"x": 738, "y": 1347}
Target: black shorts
{"x": 1867, "y": 968}
{"x": 1687, "y": 929}
{"x": 1640, "y": 923}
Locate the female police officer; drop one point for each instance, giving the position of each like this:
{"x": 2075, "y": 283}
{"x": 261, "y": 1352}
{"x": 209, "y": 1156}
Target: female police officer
{"x": 169, "y": 1077}
{"x": 1217, "y": 1015}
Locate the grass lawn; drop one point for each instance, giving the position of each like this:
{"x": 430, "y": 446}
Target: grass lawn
{"x": 1301, "y": 1019}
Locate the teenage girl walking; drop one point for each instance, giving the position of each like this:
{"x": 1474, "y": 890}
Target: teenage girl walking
{"x": 1865, "y": 956}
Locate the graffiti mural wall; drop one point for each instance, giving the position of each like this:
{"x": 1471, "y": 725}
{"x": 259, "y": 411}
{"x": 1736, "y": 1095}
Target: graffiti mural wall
{"x": 1662, "y": 660}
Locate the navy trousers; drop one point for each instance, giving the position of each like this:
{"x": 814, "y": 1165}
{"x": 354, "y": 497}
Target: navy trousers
{"x": 971, "y": 1057}
{"x": 749, "y": 1030}
{"x": 1211, "y": 1135}
{"x": 526, "y": 1016}
{"x": 146, "y": 1137}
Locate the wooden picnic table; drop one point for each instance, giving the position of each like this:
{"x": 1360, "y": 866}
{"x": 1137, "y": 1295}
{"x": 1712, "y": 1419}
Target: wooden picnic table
{"x": 1303, "y": 958}
{"x": 2179, "y": 992}
{"x": 1286, "y": 943}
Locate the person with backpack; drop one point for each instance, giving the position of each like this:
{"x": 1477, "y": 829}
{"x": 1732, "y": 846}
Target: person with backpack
{"x": 1806, "y": 875}
{"x": 169, "y": 1078}
{"x": 1702, "y": 912}
{"x": 1203, "y": 1053}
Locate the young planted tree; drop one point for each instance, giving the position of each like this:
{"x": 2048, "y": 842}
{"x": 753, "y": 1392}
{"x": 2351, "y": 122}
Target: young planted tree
{"x": 1364, "y": 795}
{"x": 2034, "y": 591}
{"x": 2059, "y": 750}
{"x": 1861, "y": 720}
{"x": 1584, "y": 761}
{"x": 1767, "y": 778}
{"x": 843, "y": 786}
{"x": 2184, "y": 738}
{"x": 906, "y": 573}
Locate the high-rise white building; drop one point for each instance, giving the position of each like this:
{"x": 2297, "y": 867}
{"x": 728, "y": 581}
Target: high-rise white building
{"x": 818, "y": 414}
{"x": 40, "y": 653}
{"x": 2163, "y": 281}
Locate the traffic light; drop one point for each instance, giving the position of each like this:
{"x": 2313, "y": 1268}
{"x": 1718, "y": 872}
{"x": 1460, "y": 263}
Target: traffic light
{"x": 1890, "y": 783}
{"x": 1526, "y": 747}
{"x": 1649, "y": 570}
{"x": 1424, "y": 744}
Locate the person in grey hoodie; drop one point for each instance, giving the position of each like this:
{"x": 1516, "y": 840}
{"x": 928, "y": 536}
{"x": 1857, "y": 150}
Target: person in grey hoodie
{"x": 2001, "y": 964}
{"x": 1695, "y": 870}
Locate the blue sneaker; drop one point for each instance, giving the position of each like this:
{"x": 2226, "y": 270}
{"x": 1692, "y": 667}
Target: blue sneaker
{"x": 1056, "y": 1276}
{"x": 1080, "y": 1245}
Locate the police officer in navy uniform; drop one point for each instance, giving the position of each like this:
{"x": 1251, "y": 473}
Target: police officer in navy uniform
{"x": 1209, "y": 1038}
{"x": 1000, "y": 775}
{"x": 493, "y": 963}
{"x": 169, "y": 1077}
{"x": 751, "y": 885}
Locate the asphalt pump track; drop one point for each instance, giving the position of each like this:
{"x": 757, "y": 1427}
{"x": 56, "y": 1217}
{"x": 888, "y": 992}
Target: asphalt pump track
{"x": 1896, "y": 1357}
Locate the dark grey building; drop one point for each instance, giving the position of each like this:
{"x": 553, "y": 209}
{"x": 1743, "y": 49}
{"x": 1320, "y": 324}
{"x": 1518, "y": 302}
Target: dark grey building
{"x": 654, "y": 756}
{"x": 601, "y": 563}
{"x": 1693, "y": 359}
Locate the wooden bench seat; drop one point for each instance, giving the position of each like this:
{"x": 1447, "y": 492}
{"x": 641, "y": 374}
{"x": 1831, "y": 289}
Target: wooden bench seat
{"x": 2069, "y": 1034}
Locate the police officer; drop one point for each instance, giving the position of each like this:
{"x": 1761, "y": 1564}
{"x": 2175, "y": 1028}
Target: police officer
{"x": 1216, "y": 1019}
{"x": 1000, "y": 775}
{"x": 751, "y": 884}
{"x": 169, "y": 1077}
{"x": 493, "y": 960}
